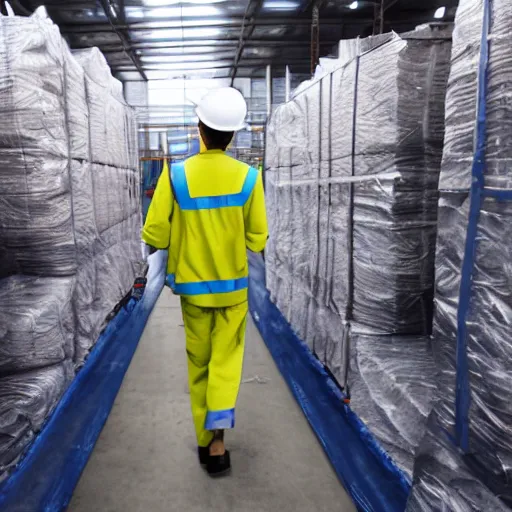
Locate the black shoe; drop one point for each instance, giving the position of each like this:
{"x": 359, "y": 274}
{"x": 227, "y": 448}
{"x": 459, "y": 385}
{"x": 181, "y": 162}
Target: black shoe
{"x": 218, "y": 465}
{"x": 204, "y": 454}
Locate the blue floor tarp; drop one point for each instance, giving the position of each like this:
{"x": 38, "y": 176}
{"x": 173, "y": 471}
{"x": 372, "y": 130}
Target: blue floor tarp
{"x": 47, "y": 476}
{"x": 369, "y": 475}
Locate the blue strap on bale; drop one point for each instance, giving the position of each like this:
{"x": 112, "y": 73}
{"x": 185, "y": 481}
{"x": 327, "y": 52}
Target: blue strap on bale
{"x": 367, "y": 472}
{"x": 47, "y": 476}
{"x": 478, "y": 191}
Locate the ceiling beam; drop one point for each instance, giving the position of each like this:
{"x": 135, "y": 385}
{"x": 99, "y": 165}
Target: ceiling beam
{"x": 253, "y": 9}
{"x": 108, "y": 8}
{"x": 404, "y": 18}
{"x": 213, "y": 22}
{"x": 222, "y": 43}
{"x": 245, "y": 63}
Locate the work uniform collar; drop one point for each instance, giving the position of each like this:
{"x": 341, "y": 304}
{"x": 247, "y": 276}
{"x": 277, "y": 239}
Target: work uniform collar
{"x": 213, "y": 152}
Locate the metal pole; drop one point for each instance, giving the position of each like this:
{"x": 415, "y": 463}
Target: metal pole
{"x": 288, "y": 84}
{"x": 315, "y": 38}
{"x": 269, "y": 90}
{"x": 381, "y": 17}
{"x": 164, "y": 145}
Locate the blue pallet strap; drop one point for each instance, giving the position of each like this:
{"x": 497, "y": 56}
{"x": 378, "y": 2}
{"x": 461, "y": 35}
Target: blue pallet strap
{"x": 477, "y": 192}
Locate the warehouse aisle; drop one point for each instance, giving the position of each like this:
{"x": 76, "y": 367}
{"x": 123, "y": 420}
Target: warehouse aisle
{"x": 145, "y": 459}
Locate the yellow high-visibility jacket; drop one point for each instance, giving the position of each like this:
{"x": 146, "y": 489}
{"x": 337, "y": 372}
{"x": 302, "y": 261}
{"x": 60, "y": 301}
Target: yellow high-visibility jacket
{"x": 213, "y": 212}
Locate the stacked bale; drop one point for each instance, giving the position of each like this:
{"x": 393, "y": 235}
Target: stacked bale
{"x": 465, "y": 458}
{"x": 60, "y": 276}
{"x": 351, "y": 177}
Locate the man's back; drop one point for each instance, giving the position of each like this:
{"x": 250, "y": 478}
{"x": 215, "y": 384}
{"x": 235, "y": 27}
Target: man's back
{"x": 217, "y": 212}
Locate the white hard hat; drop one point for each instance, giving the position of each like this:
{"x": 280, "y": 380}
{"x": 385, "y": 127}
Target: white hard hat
{"x": 223, "y": 109}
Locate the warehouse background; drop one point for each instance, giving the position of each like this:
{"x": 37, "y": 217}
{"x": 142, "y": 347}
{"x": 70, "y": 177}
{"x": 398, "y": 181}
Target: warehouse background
{"x": 163, "y": 49}
{"x": 382, "y": 130}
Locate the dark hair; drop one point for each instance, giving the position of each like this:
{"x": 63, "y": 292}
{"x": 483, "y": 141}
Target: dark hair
{"x": 215, "y": 139}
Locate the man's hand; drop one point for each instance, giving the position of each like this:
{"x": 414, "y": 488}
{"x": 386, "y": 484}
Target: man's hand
{"x": 145, "y": 250}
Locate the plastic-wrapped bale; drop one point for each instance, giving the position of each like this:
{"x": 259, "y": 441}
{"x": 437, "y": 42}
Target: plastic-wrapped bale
{"x": 323, "y": 185}
{"x": 445, "y": 480}
{"x": 101, "y": 284}
{"x": 482, "y": 425}
{"x": 116, "y": 137}
{"x": 393, "y": 383}
{"x": 132, "y": 136}
{"x": 26, "y": 400}
{"x": 36, "y": 322}
{"x": 116, "y": 195}
{"x": 489, "y": 329}
{"x": 106, "y": 278}
{"x": 97, "y": 86}
{"x": 306, "y": 207}
{"x": 400, "y": 95}
{"x": 76, "y": 107}
{"x": 36, "y": 230}
{"x": 89, "y": 313}
{"x": 84, "y": 218}
{"x": 122, "y": 130}
{"x": 36, "y": 222}
{"x": 32, "y": 87}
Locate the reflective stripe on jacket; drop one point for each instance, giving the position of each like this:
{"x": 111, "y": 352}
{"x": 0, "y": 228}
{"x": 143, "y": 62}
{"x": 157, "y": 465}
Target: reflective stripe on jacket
{"x": 213, "y": 212}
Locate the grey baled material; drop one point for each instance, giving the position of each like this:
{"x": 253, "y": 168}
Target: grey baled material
{"x": 477, "y": 477}
{"x": 352, "y": 168}
{"x": 26, "y": 399}
{"x": 69, "y": 225}
{"x": 393, "y": 382}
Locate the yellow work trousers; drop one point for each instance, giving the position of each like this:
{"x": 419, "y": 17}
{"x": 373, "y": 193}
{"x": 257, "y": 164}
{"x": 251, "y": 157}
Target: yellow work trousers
{"x": 215, "y": 350}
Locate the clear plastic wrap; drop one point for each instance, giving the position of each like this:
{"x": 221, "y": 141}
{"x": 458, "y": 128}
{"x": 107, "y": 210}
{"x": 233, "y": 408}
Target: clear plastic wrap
{"x": 393, "y": 383}
{"x": 36, "y": 322}
{"x": 36, "y": 230}
{"x": 444, "y": 478}
{"x": 113, "y": 131}
{"x": 26, "y": 399}
{"x": 99, "y": 99}
{"x": 76, "y": 108}
{"x": 69, "y": 227}
{"x": 352, "y": 168}
{"x": 36, "y": 226}
{"x": 478, "y": 315}
{"x": 350, "y": 203}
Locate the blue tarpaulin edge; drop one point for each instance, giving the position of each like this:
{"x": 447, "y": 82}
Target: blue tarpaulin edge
{"x": 367, "y": 472}
{"x": 47, "y": 476}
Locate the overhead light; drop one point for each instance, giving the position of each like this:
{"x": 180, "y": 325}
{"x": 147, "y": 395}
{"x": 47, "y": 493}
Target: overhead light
{"x": 168, "y": 3}
{"x": 177, "y": 12}
{"x": 353, "y": 5}
{"x": 190, "y": 65}
{"x": 169, "y": 24}
{"x": 188, "y": 33}
{"x": 439, "y": 14}
{"x": 132, "y": 12}
{"x": 281, "y": 5}
{"x": 158, "y": 59}
{"x": 183, "y": 49}
{"x": 112, "y": 10}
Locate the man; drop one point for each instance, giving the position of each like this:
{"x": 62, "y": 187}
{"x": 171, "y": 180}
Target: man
{"x": 208, "y": 212}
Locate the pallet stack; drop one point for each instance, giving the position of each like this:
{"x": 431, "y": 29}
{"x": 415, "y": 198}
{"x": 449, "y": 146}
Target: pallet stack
{"x": 351, "y": 178}
{"x": 69, "y": 225}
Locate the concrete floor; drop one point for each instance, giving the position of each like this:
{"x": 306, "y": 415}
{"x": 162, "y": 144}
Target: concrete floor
{"x": 145, "y": 459}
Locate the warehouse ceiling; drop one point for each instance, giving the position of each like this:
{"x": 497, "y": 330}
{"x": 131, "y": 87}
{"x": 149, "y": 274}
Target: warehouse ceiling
{"x": 160, "y": 39}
